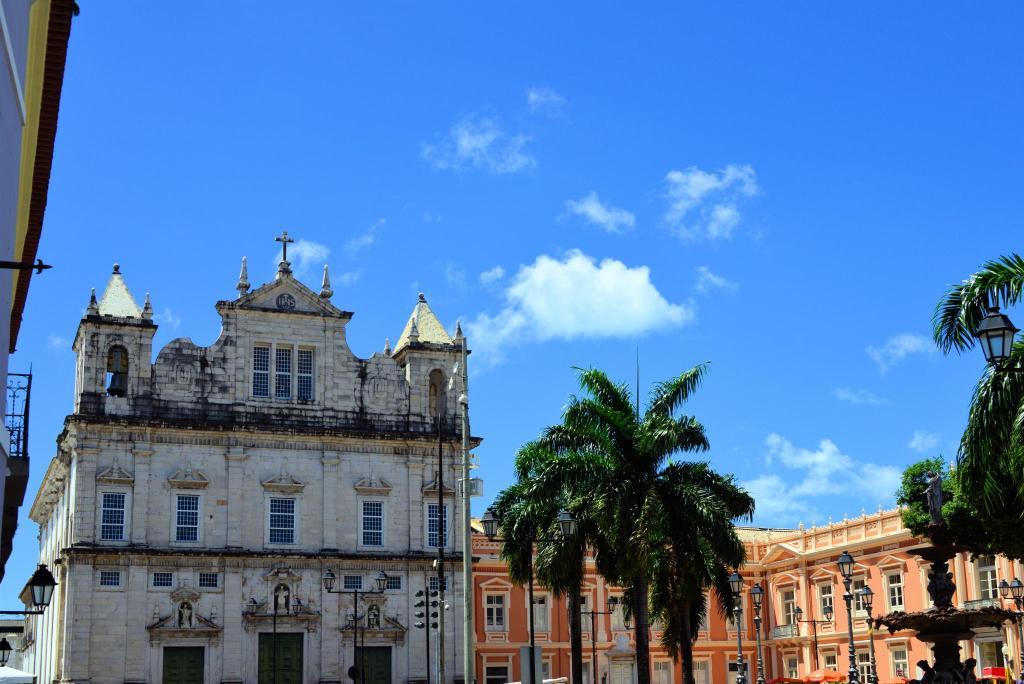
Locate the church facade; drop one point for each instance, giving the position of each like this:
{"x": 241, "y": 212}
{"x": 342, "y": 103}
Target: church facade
{"x": 197, "y": 503}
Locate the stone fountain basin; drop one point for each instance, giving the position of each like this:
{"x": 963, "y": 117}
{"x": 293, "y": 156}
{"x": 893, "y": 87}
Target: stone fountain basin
{"x": 944, "y": 624}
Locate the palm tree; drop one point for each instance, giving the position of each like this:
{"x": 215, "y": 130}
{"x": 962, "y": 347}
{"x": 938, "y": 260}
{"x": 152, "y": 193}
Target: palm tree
{"x": 623, "y": 459}
{"x": 991, "y": 456}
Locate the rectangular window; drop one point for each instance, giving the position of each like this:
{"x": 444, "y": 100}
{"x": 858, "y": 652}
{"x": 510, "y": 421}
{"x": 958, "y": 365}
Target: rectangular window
{"x": 830, "y": 660}
{"x": 112, "y": 517}
{"x": 900, "y": 662}
{"x": 434, "y": 583}
{"x": 858, "y": 601}
{"x": 825, "y": 604}
{"x": 432, "y": 526}
{"x": 394, "y": 583}
{"x": 373, "y": 523}
{"x": 987, "y": 583}
{"x": 585, "y": 671}
{"x": 894, "y": 586}
{"x": 283, "y": 373}
{"x": 186, "y": 525}
{"x": 282, "y": 521}
{"x": 494, "y": 610}
{"x": 701, "y": 672}
{"x": 793, "y": 667}
{"x": 305, "y": 375}
{"x": 163, "y": 579}
{"x": 495, "y": 674}
{"x": 261, "y": 371}
{"x": 209, "y": 580}
{"x": 864, "y": 663}
{"x": 618, "y": 614}
{"x": 352, "y": 582}
{"x": 662, "y": 672}
{"x": 788, "y": 597}
{"x": 541, "y": 623}
{"x": 110, "y": 578}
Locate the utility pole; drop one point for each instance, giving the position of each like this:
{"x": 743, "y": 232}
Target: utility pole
{"x": 468, "y": 634}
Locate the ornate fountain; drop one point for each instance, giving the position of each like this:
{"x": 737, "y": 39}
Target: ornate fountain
{"x": 943, "y": 625}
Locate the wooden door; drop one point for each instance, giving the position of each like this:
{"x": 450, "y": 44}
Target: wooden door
{"x": 183, "y": 665}
{"x": 376, "y": 664}
{"x": 286, "y": 658}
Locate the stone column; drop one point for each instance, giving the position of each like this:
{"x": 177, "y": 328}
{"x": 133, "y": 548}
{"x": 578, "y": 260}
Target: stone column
{"x": 78, "y": 623}
{"x": 140, "y": 494}
{"x": 329, "y": 487}
{"x": 236, "y": 496}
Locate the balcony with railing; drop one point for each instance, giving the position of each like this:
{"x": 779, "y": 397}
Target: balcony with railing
{"x": 785, "y": 631}
{"x": 981, "y": 603}
{"x": 19, "y": 394}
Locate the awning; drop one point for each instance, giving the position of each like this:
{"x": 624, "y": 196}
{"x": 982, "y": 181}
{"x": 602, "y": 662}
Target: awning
{"x": 825, "y": 675}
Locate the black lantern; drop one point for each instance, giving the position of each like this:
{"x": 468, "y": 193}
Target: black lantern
{"x": 757, "y": 595}
{"x": 41, "y": 583}
{"x": 1017, "y": 589}
{"x": 490, "y": 523}
{"x": 736, "y": 583}
{"x": 251, "y": 606}
{"x": 828, "y": 612}
{"x": 329, "y": 579}
{"x": 1004, "y": 589}
{"x": 567, "y": 524}
{"x": 296, "y": 605}
{"x": 867, "y": 598}
{"x": 798, "y": 612}
{"x": 5, "y": 651}
{"x": 846, "y": 565}
{"x": 382, "y": 581}
{"x": 995, "y": 333}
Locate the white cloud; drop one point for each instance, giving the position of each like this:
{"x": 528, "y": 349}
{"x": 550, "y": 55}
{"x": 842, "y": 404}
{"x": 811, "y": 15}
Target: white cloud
{"x": 480, "y": 143}
{"x": 611, "y": 219}
{"x": 572, "y": 298}
{"x": 859, "y": 397}
{"x": 923, "y": 441}
{"x": 58, "y": 343}
{"x": 455, "y": 275}
{"x": 704, "y": 204}
{"x": 364, "y": 240}
{"x": 706, "y": 281}
{"x": 492, "y": 275}
{"x": 305, "y": 255}
{"x": 168, "y": 318}
{"x": 545, "y": 101}
{"x": 897, "y": 348}
{"x": 817, "y": 476}
{"x": 348, "y": 277}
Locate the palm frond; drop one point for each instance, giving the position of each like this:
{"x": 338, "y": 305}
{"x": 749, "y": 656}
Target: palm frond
{"x": 666, "y": 397}
{"x": 959, "y": 312}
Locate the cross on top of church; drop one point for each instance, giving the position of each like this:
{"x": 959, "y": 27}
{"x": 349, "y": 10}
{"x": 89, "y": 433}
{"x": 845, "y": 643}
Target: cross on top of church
{"x": 284, "y": 240}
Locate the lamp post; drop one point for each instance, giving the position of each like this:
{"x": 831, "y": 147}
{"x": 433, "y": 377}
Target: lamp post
{"x": 381, "y": 581}
{"x": 995, "y": 334}
{"x": 846, "y": 570}
{"x": 1015, "y": 590}
{"x": 566, "y": 525}
{"x": 40, "y": 585}
{"x": 736, "y": 586}
{"x": 757, "y": 594}
{"x": 814, "y": 626}
{"x": 613, "y": 603}
{"x": 867, "y": 598}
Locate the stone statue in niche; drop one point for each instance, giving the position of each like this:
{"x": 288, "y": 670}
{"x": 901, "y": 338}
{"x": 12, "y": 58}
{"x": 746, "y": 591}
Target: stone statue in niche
{"x": 185, "y": 615}
{"x": 373, "y": 616}
{"x": 282, "y": 598}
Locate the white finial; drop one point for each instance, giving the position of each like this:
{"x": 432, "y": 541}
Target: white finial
{"x": 243, "y": 279}
{"x": 147, "y": 308}
{"x": 863, "y": 513}
{"x": 387, "y": 347}
{"x": 830, "y": 520}
{"x": 325, "y": 289}
{"x": 414, "y": 331}
{"x": 800, "y": 526}
{"x": 94, "y": 306}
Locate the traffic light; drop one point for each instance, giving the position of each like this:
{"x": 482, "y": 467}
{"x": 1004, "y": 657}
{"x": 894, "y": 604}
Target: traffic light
{"x": 419, "y": 593}
{"x": 419, "y": 604}
{"x": 433, "y": 593}
{"x": 418, "y": 614}
{"x": 419, "y": 625}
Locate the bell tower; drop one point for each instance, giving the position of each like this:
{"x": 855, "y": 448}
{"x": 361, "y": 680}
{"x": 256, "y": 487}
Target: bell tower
{"x": 113, "y": 348}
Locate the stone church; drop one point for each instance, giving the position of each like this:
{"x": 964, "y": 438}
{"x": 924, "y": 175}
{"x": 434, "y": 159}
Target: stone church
{"x": 196, "y": 503}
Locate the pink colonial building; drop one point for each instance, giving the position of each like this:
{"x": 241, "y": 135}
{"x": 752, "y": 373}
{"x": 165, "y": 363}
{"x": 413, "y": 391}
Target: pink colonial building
{"x": 798, "y": 571}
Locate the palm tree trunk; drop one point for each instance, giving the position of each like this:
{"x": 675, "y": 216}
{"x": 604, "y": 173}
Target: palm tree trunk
{"x": 576, "y": 637}
{"x": 642, "y": 633}
{"x": 686, "y": 645}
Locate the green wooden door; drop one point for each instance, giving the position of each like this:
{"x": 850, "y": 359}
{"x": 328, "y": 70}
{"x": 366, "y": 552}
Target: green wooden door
{"x": 183, "y": 665}
{"x": 376, "y": 662}
{"x": 288, "y": 660}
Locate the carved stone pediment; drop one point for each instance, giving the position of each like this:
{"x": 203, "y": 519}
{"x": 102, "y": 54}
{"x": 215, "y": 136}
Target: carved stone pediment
{"x": 283, "y": 483}
{"x": 431, "y": 488}
{"x": 282, "y": 574}
{"x": 374, "y": 486}
{"x": 185, "y": 594}
{"x": 115, "y": 474}
{"x": 188, "y": 479}
{"x": 167, "y": 628}
{"x": 390, "y": 630}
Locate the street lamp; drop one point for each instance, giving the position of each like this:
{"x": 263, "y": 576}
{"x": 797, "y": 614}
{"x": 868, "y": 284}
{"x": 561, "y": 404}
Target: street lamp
{"x": 736, "y": 586}
{"x": 757, "y": 594}
{"x": 381, "y": 582}
{"x": 566, "y": 525}
{"x": 613, "y": 602}
{"x": 1015, "y": 590}
{"x": 995, "y": 333}
{"x": 846, "y": 570}
{"x": 40, "y": 587}
{"x": 867, "y": 598}
{"x": 827, "y": 610}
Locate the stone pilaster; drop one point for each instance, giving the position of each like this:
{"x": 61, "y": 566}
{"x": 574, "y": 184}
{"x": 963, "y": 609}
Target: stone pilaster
{"x": 236, "y": 495}
{"x": 136, "y": 642}
{"x": 232, "y": 620}
{"x": 140, "y": 495}
{"x": 85, "y": 504}
{"x": 329, "y": 488}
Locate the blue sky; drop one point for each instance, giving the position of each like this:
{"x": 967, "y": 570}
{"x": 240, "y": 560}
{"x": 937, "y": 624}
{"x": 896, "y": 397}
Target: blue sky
{"x": 782, "y": 189}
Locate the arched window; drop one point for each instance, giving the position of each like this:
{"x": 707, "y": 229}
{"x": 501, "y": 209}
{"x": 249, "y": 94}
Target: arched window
{"x": 436, "y": 405}
{"x": 117, "y": 371}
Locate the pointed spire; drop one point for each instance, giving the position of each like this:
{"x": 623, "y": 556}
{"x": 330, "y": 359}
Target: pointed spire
{"x": 459, "y": 337}
{"x": 387, "y": 347}
{"x": 414, "y": 331}
{"x": 423, "y": 326}
{"x": 243, "y": 279}
{"x": 94, "y": 307}
{"x": 325, "y": 289}
{"x": 147, "y": 308}
{"x": 117, "y": 300}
